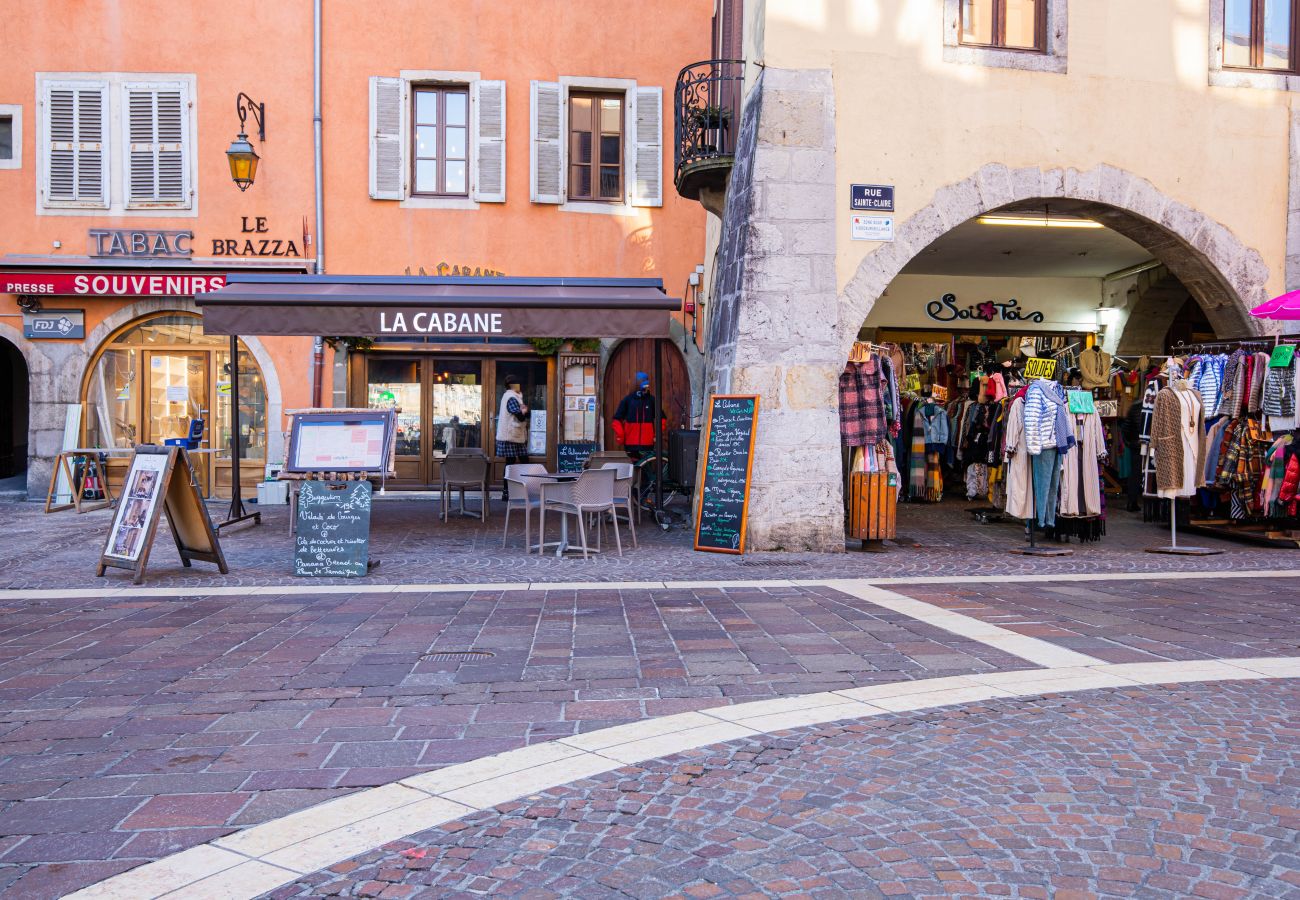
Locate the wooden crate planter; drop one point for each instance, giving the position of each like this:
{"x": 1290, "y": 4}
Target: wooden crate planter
{"x": 873, "y": 506}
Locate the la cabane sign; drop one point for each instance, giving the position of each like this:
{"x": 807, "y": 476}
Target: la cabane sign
{"x": 101, "y": 284}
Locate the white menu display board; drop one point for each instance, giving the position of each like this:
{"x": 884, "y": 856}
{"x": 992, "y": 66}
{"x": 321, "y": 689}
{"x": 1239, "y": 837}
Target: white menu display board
{"x": 337, "y": 443}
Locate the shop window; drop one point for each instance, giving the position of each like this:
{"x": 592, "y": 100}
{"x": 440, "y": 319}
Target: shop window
{"x": 595, "y": 146}
{"x": 457, "y": 414}
{"x": 440, "y": 141}
{"x": 395, "y": 384}
{"x": 535, "y": 389}
{"x": 1260, "y": 35}
{"x": 1007, "y": 24}
{"x": 150, "y": 379}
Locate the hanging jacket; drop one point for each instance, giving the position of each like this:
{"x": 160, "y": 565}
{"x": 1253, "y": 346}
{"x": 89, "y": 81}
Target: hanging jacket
{"x": 1279, "y": 391}
{"x": 934, "y": 421}
{"x": 1047, "y": 418}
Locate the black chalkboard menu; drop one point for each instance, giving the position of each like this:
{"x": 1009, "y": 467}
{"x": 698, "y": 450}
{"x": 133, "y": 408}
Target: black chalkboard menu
{"x": 573, "y": 455}
{"x": 332, "y": 532}
{"x": 728, "y": 461}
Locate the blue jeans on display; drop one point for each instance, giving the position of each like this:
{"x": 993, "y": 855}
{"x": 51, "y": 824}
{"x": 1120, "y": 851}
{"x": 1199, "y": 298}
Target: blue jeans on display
{"x": 1047, "y": 483}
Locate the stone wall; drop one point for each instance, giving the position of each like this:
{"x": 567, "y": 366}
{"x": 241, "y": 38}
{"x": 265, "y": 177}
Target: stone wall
{"x": 775, "y": 330}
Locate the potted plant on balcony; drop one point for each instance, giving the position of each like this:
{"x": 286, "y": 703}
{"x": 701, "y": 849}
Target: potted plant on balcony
{"x": 710, "y": 116}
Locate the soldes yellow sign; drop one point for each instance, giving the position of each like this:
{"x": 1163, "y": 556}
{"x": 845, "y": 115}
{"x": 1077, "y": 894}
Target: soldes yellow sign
{"x": 1040, "y": 367}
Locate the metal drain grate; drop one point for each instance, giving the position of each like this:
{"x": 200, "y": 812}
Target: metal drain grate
{"x": 773, "y": 563}
{"x": 458, "y": 655}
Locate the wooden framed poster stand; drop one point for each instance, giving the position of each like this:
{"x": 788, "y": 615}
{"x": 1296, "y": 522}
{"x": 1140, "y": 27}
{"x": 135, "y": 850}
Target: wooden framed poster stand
{"x": 92, "y": 473}
{"x": 160, "y": 478}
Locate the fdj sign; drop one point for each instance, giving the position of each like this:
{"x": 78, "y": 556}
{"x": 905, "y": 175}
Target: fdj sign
{"x": 55, "y": 324}
{"x": 1040, "y": 367}
{"x": 872, "y": 197}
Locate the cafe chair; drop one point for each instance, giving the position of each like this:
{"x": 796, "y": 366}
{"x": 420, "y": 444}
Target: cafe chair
{"x": 525, "y": 494}
{"x": 623, "y": 494}
{"x": 459, "y": 473}
{"x": 592, "y": 493}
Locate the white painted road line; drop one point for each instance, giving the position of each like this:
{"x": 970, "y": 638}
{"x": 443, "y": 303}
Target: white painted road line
{"x": 299, "y": 590}
{"x": 264, "y": 857}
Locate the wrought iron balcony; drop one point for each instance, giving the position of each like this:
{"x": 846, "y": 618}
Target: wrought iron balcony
{"x": 706, "y": 117}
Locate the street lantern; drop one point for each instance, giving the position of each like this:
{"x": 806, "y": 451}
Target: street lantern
{"x": 241, "y": 155}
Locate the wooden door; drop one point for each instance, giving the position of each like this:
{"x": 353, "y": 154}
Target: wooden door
{"x": 638, "y": 355}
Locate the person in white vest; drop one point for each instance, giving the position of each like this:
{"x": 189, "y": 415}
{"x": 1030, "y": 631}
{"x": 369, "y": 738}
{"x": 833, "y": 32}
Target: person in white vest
{"x": 512, "y": 427}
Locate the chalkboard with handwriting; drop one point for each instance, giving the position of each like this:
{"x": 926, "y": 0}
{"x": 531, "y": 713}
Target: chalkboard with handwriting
{"x": 332, "y": 534}
{"x": 728, "y": 461}
{"x": 573, "y": 455}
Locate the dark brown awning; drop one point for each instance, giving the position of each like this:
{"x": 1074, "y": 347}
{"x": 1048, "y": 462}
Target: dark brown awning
{"x": 426, "y": 306}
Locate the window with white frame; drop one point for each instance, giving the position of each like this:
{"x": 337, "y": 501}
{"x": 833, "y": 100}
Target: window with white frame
{"x": 437, "y": 139}
{"x": 116, "y": 142}
{"x": 597, "y": 144}
{"x": 11, "y": 136}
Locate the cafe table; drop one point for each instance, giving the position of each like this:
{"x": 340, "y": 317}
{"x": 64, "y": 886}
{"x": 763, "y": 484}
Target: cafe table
{"x": 562, "y": 545}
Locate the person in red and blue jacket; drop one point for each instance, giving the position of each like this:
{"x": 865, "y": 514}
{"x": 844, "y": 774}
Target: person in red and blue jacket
{"x": 634, "y": 419}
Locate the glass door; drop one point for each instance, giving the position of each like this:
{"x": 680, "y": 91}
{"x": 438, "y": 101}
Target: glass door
{"x": 397, "y": 383}
{"x": 455, "y": 408}
{"x": 176, "y": 392}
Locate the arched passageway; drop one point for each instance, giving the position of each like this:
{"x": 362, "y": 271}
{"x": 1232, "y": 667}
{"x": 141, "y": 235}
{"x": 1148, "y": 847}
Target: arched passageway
{"x": 14, "y": 415}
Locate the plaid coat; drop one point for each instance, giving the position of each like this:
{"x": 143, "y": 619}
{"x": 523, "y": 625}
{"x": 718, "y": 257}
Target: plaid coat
{"x": 862, "y": 404}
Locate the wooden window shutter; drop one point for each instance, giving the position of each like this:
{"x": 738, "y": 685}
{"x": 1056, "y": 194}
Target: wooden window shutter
{"x": 489, "y": 129}
{"x": 647, "y": 143}
{"x": 157, "y": 144}
{"x": 547, "y": 106}
{"x": 387, "y": 168}
{"x": 76, "y": 152}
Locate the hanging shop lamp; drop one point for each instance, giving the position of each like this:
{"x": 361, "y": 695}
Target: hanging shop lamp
{"x": 241, "y": 155}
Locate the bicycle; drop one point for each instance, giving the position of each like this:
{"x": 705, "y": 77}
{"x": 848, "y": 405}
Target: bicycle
{"x": 650, "y": 469}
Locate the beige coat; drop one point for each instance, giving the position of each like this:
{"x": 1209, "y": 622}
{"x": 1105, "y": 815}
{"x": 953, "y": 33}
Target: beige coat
{"x": 1080, "y": 480}
{"x": 1020, "y": 495}
{"x": 1094, "y": 366}
{"x": 1178, "y": 441}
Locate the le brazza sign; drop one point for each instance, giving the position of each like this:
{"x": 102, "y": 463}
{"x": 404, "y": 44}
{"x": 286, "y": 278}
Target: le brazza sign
{"x": 108, "y": 284}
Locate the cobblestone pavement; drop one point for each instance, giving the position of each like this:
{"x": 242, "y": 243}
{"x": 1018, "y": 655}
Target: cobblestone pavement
{"x": 1155, "y": 792}
{"x": 62, "y": 549}
{"x": 1122, "y": 621}
{"x": 132, "y": 728}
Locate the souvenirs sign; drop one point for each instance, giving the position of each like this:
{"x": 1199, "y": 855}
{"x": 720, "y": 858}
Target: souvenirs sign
{"x": 728, "y": 462}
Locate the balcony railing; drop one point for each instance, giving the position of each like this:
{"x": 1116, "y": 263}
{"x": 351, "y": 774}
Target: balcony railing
{"x": 706, "y": 116}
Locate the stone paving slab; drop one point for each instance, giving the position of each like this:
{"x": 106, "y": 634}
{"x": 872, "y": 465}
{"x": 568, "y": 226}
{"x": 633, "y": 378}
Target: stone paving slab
{"x": 62, "y": 549}
{"x": 131, "y": 728}
{"x": 1138, "y": 621}
{"x": 1155, "y": 792}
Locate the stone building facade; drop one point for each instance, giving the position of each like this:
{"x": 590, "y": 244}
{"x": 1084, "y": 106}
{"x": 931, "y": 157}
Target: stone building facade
{"x": 1121, "y": 118}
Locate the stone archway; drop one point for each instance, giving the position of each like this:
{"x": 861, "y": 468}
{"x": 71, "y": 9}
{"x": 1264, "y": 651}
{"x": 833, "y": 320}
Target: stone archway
{"x": 1225, "y": 277}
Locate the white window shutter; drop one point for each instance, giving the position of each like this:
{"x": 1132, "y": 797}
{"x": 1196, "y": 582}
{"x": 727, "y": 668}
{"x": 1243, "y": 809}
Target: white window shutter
{"x": 546, "y": 184}
{"x": 489, "y": 128}
{"x": 76, "y": 148}
{"x": 157, "y": 144}
{"x": 387, "y": 171}
{"x": 648, "y": 148}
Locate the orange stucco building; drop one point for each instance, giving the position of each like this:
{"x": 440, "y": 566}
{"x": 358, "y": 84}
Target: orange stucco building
{"x": 455, "y": 140}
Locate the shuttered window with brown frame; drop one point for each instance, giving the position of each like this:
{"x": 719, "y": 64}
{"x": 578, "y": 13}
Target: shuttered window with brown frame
{"x": 440, "y": 136}
{"x": 596, "y": 146}
{"x": 1261, "y": 34}
{"x": 1005, "y": 24}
